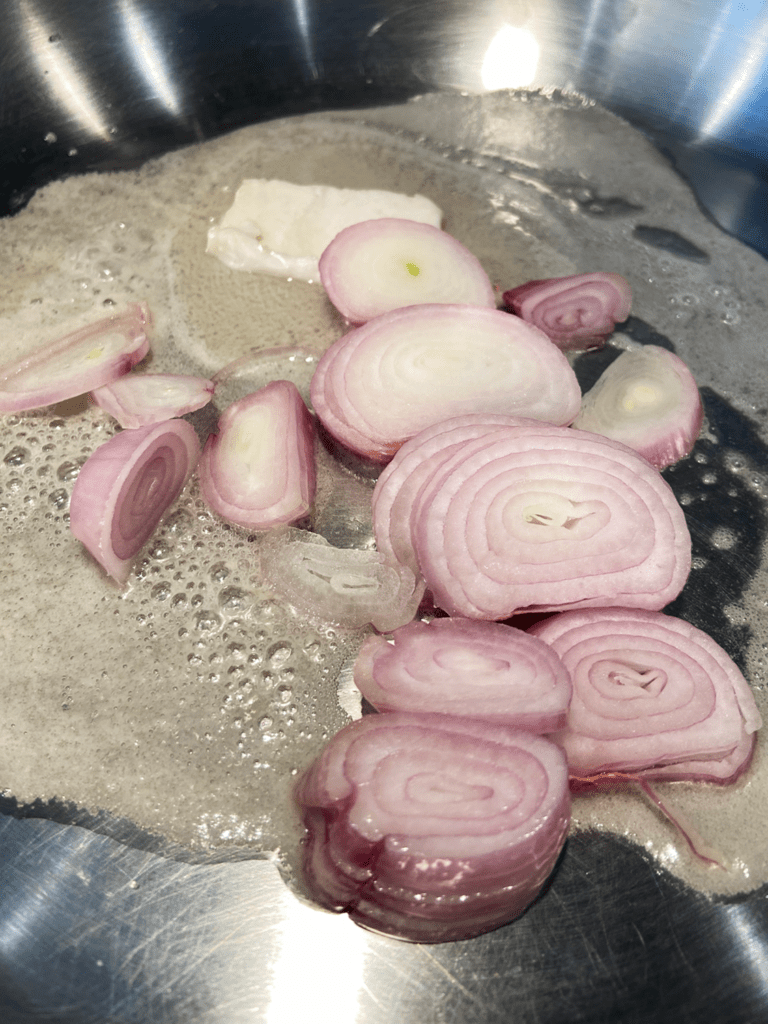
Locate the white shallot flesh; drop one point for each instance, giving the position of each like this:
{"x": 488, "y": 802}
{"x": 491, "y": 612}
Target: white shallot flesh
{"x": 577, "y": 312}
{"x": 345, "y": 586}
{"x": 408, "y": 369}
{"x": 77, "y": 363}
{"x": 139, "y": 399}
{"x": 379, "y": 265}
{"x": 430, "y": 828}
{"x": 647, "y": 399}
{"x": 281, "y": 228}
{"x": 126, "y": 486}
{"x": 468, "y": 668}
{"x": 545, "y": 518}
{"x": 653, "y": 697}
{"x": 258, "y": 471}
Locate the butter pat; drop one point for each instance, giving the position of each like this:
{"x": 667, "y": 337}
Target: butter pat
{"x": 278, "y": 228}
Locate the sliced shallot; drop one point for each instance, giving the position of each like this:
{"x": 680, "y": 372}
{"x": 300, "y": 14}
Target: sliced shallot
{"x": 542, "y": 518}
{"x": 431, "y": 828}
{"x": 346, "y": 586}
{"x": 77, "y": 363}
{"x": 126, "y": 486}
{"x": 576, "y": 312}
{"x": 647, "y": 399}
{"x": 139, "y": 399}
{"x": 468, "y": 668}
{"x": 653, "y": 697}
{"x": 259, "y": 469}
{"x": 379, "y": 265}
{"x": 408, "y": 369}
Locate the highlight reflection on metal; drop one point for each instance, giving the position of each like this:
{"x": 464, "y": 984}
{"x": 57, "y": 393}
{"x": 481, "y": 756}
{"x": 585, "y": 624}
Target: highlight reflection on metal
{"x": 144, "y": 47}
{"x": 61, "y": 74}
{"x": 510, "y": 60}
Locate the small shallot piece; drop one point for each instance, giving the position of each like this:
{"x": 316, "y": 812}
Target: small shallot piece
{"x": 576, "y": 312}
{"x": 258, "y": 471}
{"x": 345, "y": 586}
{"x": 405, "y": 370}
{"x": 77, "y": 363}
{"x": 647, "y": 399}
{"x": 139, "y": 399}
{"x": 126, "y": 486}
{"x": 653, "y": 697}
{"x": 468, "y": 668}
{"x": 430, "y": 828}
{"x": 535, "y": 517}
{"x": 379, "y": 265}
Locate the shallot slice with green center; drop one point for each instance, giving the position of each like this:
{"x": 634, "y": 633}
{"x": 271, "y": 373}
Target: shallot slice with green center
{"x": 463, "y": 667}
{"x": 379, "y": 265}
{"x": 647, "y": 399}
{"x": 431, "y": 828}
{"x": 126, "y": 486}
{"x": 406, "y": 370}
{"x": 77, "y": 363}
{"x": 259, "y": 470}
{"x": 139, "y": 399}
{"x": 576, "y": 312}
{"x": 544, "y": 518}
{"x": 653, "y": 697}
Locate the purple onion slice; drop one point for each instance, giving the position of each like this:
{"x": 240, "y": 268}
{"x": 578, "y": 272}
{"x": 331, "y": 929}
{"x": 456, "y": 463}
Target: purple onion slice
{"x": 140, "y": 399}
{"x": 548, "y": 518}
{"x": 124, "y": 489}
{"x": 648, "y": 400}
{"x": 77, "y": 363}
{"x": 468, "y": 668}
{"x": 406, "y": 370}
{"x": 652, "y": 697}
{"x": 375, "y": 266}
{"x": 431, "y": 828}
{"x": 258, "y": 471}
{"x": 576, "y": 312}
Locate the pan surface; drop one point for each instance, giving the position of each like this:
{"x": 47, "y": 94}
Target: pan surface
{"x": 103, "y": 916}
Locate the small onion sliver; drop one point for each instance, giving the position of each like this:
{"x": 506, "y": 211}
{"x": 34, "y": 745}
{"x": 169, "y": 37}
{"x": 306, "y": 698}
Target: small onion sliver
{"x": 653, "y": 697}
{"x": 546, "y": 519}
{"x": 380, "y": 384}
{"x": 258, "y": 471}
{"x": 379, "y": 265}
{"x": 140, "y": 399}
{"x": 577, "y": 312}
{"x": 468, "y": 668}
{"x": 431, "y": 828}
{"x": 126, "y": 486}
{"x": 77, "y": 363}
{"x": 647, "y": 399}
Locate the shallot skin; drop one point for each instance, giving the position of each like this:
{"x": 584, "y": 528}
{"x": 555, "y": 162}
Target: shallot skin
{"x": 430, "y": 828}
{"x": 403, "y": 371}
{"x": 468, "y": 668}
{"x": 126, "y": 486}
{"x": 576, "y": 312}
{"x": 86, "y": 359}
{"x": 375, "y": 266}
{"x": 653, "y": 697}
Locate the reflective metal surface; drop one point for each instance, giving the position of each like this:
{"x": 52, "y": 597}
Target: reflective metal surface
{"x": 95, "y": 926}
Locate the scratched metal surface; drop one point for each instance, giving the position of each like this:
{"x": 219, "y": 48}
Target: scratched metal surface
{"x": 99, "y": 923}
